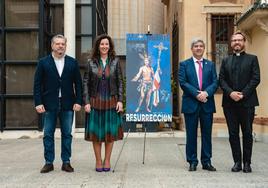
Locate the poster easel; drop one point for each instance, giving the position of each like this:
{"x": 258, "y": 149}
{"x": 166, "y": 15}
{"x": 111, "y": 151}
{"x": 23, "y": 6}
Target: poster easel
{"x": 156, "y": 45}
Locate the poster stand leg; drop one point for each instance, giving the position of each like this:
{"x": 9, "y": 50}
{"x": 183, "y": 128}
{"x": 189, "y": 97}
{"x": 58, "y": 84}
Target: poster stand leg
{"x": 118, "y": 157}
{"x": 144, "y": 143}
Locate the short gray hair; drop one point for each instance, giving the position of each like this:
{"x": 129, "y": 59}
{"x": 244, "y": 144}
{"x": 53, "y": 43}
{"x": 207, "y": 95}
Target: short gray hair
{"x": 58, "y": 36}
{"x": 196, "y": 40}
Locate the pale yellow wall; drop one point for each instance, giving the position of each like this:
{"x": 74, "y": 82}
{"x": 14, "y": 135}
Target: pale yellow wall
{"x": 133, "y": 16}
{"x": 125, "y": 16}
{"x": 219, "y": 110}
{"x": 154, "y": 16}
{"x": 259, "y": 46}
{"x": 194, "y": 24}
{"x": 193, "y": 21}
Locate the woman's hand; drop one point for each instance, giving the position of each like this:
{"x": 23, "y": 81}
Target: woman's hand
{"x": 76, "y": 107}
{"x": 87, "y": 108}
{"x": 119, "y": 107}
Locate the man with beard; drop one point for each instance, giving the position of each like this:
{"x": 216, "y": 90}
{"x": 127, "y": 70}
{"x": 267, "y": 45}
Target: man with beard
{"x": 239, "y": 76}
{"x": 57, "y": 94}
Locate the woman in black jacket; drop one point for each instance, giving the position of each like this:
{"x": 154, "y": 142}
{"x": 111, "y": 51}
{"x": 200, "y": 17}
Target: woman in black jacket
{"x": 103, "y": 95}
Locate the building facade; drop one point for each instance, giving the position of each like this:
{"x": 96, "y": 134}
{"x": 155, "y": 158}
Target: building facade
{"x": 254, "y": 23}
{"x": 134, "y": 16}
{"x": 26, "y": 27}
{"x": 215, "y": 21}
{"x": 128, "y": 16}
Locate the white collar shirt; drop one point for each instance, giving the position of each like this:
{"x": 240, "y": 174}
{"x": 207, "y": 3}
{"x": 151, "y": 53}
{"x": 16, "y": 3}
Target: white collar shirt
{"x": 59, "y": 62}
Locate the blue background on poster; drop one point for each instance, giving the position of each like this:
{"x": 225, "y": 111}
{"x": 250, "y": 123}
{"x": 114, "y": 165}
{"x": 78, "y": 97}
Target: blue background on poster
{"x": 137, "y": 46}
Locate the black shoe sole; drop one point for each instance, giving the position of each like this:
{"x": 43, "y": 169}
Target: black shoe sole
{"x": 210, "y": 169}
{"x": 63, "y": 169}
{"x": 192, "y": 170}
{"x": 238, "y": 170}
{"x": 47, "y": 171}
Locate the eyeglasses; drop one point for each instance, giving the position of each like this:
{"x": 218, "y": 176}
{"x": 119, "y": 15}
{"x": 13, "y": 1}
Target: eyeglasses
{"x": 237, "y": 40}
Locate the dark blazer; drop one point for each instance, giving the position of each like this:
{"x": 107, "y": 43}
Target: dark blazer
{"x": 47, "y": 83}
{"x": 189, "y": 84}
{"x": 249, "y": 79}
{"x": 91, "y": 80}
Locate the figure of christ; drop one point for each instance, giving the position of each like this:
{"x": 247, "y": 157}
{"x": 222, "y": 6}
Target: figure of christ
{"x": 146, "y": 83}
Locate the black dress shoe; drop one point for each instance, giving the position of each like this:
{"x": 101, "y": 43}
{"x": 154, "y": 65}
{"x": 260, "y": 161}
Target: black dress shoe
{"x": 237, "y": 167}
{"x": 47, "y": 168}
{"x": 247, "y": 168}
{"x": 209, "y": 167}
{"x": 67, "y": 167}
{"x": 192, "y": 167}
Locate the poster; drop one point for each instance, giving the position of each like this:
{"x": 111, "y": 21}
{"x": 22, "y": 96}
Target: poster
{"x": 148, "y": 78}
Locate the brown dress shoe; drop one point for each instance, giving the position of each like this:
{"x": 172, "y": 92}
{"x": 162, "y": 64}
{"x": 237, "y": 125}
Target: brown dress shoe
{"x": 47, "y": 168}
{"x": 67, "y": 167}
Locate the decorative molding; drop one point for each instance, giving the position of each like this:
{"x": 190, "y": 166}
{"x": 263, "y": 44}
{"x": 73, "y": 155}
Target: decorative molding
{"x": 248, "y": 35}
{"x": 261, "y": 121}
{"x": 177, "y": 122}
{"x": 165, "y": 2}
{"x": 258, "y": 120}
{"x": 264, "y": 2}
{"x": 257, "y": 18}
{"x": 223, "y": 8}
{"x": 219, "y": 120}
{"x": 263, "y": 24}
{"x": 218, "y": 1}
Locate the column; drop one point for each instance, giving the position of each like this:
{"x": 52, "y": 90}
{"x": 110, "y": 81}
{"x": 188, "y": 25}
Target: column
{"x": 69, "y": 33}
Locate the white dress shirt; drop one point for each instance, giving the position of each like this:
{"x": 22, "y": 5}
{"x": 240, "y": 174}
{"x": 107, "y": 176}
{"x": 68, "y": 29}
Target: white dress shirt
{"x": 59, "y": 62}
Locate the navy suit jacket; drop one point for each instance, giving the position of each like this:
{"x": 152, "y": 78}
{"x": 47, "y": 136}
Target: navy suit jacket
{"x": 189, "y": 84}
{"x": 47, "y": 83}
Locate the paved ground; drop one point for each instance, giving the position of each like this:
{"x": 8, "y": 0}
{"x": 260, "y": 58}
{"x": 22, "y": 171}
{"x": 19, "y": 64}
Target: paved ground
{"x": 165, "y": 166}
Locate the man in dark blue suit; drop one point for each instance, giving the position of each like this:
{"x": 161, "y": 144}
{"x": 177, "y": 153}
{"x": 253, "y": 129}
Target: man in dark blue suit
{"x": 198, "y": 80}
{"x": 57, "y": 94}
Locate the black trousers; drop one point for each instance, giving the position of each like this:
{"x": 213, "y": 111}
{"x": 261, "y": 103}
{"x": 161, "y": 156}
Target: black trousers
{"x": 237, "y": 117}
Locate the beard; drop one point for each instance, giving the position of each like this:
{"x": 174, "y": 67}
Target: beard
{"x": 240, "y": 48}
{"x": 59, "y": 51}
